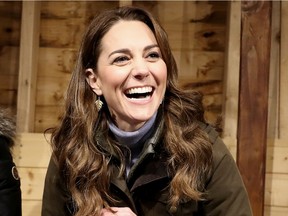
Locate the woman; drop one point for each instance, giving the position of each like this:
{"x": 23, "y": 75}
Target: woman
{"x": 10, "y": 192}
{"x": 142, "y": 148}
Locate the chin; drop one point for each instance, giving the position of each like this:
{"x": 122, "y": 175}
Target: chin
{"x": 142, "y": 117}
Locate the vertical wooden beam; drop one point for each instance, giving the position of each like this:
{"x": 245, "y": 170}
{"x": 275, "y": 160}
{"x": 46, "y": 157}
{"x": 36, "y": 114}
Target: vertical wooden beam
{"x": 28, "y": 62}
{"x": 283, "y": 127}
{"x": 231, "y": 75}
{"x": 253, "y": 103}
{"x": 274, "y": 81}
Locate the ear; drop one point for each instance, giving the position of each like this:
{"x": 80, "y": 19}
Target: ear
{"x": 93, "y": 80}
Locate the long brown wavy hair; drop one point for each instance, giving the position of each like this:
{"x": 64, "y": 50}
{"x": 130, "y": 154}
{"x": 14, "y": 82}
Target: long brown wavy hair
{"x": 83, "y": 164}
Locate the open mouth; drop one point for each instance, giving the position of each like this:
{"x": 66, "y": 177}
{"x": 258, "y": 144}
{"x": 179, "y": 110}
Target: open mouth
{"x": 139, "y": 92}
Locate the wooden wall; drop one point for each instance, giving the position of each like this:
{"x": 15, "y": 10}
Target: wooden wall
{"x": 197, "y": 40}
{"x": 208, "y": 60}
{"x": 10, "y": 25}
{"x": 276, "y": 179}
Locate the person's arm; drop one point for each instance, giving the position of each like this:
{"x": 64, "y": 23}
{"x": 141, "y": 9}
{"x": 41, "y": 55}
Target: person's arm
{"x": 55, "y": 197}
{"x": 10, "y": 193}
{"x": 225, "y": 189}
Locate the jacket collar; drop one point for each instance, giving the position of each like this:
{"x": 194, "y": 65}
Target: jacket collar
{"x": 155, "y": 168}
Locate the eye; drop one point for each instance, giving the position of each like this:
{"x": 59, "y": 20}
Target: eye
{"x": 121, "y": 60}
{"x": 153, "y": 56}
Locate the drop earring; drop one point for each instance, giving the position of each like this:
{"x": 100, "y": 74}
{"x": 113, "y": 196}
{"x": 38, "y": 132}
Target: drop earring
{"x": 98, "y": 103}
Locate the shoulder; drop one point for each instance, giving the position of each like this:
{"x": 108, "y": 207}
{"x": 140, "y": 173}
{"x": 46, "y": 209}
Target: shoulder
{"x": 219, "y": 149}
{"x": 226, "y": 193}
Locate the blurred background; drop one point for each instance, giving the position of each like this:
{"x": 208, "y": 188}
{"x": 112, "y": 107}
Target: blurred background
{"x": 234, "y": 52}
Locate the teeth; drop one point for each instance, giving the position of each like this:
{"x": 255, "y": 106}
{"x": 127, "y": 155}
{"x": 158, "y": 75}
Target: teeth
{"x": 139, "y": 90}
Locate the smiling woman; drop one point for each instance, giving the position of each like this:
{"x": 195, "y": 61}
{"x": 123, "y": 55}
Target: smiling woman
{"x": 130, "y": 74}
{"x": 144, "y": 148}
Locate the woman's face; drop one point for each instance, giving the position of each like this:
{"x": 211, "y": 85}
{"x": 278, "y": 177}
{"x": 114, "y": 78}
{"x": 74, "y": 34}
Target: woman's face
{"x": 131, "y": 74}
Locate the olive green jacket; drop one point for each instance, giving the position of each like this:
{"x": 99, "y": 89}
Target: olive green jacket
{"x": 145, "y": 189}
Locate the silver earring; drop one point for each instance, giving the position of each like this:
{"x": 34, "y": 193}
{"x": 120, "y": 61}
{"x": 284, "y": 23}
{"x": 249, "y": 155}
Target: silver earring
{"x": 98, "y": 103}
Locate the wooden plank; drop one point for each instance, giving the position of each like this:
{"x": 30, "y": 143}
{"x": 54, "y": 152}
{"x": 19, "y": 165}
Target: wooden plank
{"x": 273, "y": 109}
{"x": 193, "y": 25}
{"x": 74, "y": 9}
{"x": 33, "y": 150}
{"x": 8, "y": 98}
{"x": 10, "y": 31}
{"x": 125, "y": 3}
{"x": 277, "y": 142}
{"x": 8, "y": 82}
{"x": 198, "y": 25}
{"x": 47, "y": 117}
{"x": 10, "y": 16}
{"x": 68, "y": 19}
{"x": 32, "y": 182}
{"x": 51, "y": 90}
{"x": 28, "y": 62}
{"x": 9, "y": 60}
{"x": 198, "y": 11}
{"x": 275, "y": 211}
{"x": 276, "y": 190}
{"x": 277, "y": 154}
{"x": 253, "y": 109}
{"x": 231, "y": 72}
{"x": 31, "y": 207}
{"x": 9, "y": 56}
{"x": 197, "y": 36}
{"x": 199, "y": 65}
{"x": 67, "y": 33}
{"x": 56, "y": 62}
{"x": 62, "y": 9}
{"x": 277, "y": 159}
{"x": 212, "y": 102}
{"x": 10, "y": 9}
{"x": 207, "y": 87}
{"x": 284, "y": 72}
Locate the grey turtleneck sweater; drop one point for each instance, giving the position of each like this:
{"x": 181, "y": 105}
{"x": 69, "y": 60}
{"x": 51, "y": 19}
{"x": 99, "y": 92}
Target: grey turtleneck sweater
{"x": 133, "y": 140}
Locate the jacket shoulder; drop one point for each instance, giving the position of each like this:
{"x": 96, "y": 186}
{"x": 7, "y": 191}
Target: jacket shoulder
{"x": 219, "y": 149}
{"x": 226, "y": 193}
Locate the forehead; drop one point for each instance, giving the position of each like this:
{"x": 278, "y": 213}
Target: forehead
{"x": 129, "y": 32}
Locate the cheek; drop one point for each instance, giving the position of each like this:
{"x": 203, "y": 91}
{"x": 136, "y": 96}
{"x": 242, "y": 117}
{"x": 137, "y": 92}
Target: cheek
{"x": 162, "y": 73}
{"x": 111, "y": 80}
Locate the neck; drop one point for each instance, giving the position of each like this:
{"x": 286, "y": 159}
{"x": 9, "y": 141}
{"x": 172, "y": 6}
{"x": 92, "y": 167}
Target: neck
{"x": 131, "y": 138}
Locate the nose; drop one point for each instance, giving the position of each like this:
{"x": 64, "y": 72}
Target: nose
{"x": 140, "y": 69}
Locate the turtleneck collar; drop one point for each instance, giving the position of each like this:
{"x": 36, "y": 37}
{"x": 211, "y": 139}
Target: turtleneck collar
{"x": 131, "y": 138}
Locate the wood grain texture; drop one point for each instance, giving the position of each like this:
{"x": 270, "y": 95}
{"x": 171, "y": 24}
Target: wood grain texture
{"x": 232, "y": 72}
{"x": 31, "y": 207}
{"x": 275, "y": 211}
{"x": 274, "y": 75}
{"x": 10, "y": 25}
{"x": 283, "y": 111}
{"x": 28, "y": 62}
{"x": 253, "y": 107}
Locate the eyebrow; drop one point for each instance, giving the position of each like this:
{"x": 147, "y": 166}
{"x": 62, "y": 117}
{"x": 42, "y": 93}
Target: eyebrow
{"x": 127, "y": 50}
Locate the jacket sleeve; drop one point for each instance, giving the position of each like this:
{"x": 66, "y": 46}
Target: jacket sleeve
{"x": 10, "y": 193}
{"x": 225, "y": 189}
{"x": 55, "y": 197}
